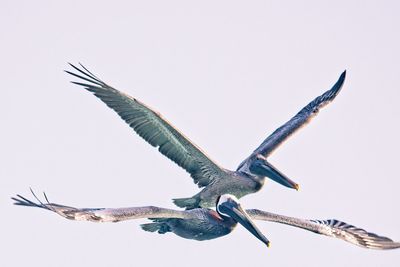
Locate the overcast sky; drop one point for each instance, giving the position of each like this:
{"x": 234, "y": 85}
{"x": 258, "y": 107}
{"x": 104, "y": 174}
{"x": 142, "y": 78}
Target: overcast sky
{"x": 226, "y": 73}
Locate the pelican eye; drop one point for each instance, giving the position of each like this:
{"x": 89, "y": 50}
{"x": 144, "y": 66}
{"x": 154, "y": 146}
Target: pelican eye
{"x": 260, "y": 157}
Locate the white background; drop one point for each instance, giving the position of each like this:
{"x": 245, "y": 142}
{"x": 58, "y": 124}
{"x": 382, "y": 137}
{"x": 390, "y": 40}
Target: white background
{"x": 226, "y": 73}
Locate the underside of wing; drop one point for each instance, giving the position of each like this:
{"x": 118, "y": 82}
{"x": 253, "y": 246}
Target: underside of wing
{"x": 300, "y": 119}
{"x": 354, "y": 235}
{"x": 102, "y": 214}
{"x": 333, "y": 228}
{"x": 152, "y": 127}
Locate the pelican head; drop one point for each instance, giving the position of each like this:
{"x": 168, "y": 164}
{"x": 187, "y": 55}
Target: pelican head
{"x": 261, "y": 167}
{"x": 228, "y": 206}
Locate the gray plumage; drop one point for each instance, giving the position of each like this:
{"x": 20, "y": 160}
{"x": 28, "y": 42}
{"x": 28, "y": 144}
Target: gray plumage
{"x": 204, "y": 224}
{"x": 215, "y": 180}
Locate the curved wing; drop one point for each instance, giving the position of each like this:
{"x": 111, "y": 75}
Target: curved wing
{"x": 103, "y": 214}
{"x": 332, "y": 227}
{"x": 300, "y": 119}
{"x": 153, "y": 128}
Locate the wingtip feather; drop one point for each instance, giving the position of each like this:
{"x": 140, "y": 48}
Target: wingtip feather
{"x": 343, "y": 76}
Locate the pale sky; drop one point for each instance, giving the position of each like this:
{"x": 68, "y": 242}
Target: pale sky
{"x": 226, "y": 73}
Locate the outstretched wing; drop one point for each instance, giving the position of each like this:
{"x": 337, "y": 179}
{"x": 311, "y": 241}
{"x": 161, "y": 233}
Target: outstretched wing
{"x": 103, "y": 214}
{"x": 333, "y": 228}
{"x": 300, "y": 119}
{"x": 354, "y": 235}
{"x": 153, "y": 128}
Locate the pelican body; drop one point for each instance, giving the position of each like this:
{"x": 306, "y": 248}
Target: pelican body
{"x": 205, "y": 224}
{"x": 210, "y": 226}
{"x": 239, "y": 184}
{"x": 248, "y": 178}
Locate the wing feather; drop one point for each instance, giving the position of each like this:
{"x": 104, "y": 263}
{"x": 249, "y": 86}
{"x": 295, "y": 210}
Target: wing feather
{"x": 103, "y": 214}
{"x": 153, "y": 128}
{"x": 332, "y": 228}
{"x": 354, "y": 235}
{"x": 300, "y": 119}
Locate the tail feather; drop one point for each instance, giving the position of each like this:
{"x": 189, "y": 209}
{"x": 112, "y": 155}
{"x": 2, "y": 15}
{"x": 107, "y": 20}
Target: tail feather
{"x": 188, "y": 203}
{"x": 159, "y": 227}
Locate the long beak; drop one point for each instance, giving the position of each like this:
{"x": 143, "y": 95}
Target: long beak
{"x": 239, "y": 215}
{"x": 268, "y": 170}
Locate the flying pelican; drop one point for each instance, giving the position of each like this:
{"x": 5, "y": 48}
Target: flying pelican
{"x": 249, "y": 176}
{"x": 199, "y": 224}
{"x": 205, "y": 224}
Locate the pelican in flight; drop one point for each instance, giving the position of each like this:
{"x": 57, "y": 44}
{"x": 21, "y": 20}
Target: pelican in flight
{"x": 205, "y": 224}
{"x": 215, "y": 180}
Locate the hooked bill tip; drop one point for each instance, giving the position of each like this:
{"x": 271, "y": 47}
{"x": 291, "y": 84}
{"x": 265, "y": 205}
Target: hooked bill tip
{"x": 297, "y": 187}
{"x": 269, "y": 244}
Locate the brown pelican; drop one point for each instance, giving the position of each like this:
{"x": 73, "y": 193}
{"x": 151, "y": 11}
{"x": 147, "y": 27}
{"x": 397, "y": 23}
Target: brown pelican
{"x": 198, "y": 224}
{"x": 249, "y": 176}
{"x": 205, "y": 224}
